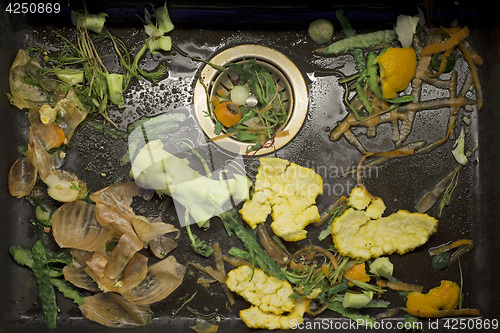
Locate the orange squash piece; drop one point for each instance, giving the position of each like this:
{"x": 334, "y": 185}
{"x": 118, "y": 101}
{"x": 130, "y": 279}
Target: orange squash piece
{"x": 443, "y": 297}
{"x": 357, "y": 272}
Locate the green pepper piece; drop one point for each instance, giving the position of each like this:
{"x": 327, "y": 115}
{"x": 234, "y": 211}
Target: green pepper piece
{"x": 438, "y": 57}
{"x": 22, "y": 255}
{"x": 45, "y": 289}
{"x": 68, "y": 291}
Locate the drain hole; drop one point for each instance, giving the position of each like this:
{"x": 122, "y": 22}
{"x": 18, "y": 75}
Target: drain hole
{"x": 224, "y": 82}
{"x": 289, "y": 84}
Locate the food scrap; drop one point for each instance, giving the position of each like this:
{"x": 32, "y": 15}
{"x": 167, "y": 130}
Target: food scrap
{"x": 362, "y": 233}
{"x": 397, "y": 69}
{"x": 269, "y": 296}
{"x": 438, "y": 302}
{"x": 289, "y": 191}
{"x": 128, "y": 284}
{"x": 105, "y": 244}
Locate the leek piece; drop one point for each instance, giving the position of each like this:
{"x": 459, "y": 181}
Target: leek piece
{"x": 382, "y": 267}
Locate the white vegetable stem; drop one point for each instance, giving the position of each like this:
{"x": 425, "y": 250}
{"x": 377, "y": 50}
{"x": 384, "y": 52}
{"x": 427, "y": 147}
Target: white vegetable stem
{"x": 405, "y": 29}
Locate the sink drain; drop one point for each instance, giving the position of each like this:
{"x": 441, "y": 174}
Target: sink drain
{"x": 290, "y": 82}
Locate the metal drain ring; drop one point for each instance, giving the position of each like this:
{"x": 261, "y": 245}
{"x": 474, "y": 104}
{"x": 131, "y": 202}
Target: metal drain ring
{"x": 291, "y": 81}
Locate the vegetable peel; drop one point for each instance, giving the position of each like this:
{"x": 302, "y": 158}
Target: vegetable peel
{"x": 156, "y": 168}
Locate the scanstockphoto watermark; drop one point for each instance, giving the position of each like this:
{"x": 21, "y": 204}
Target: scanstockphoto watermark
{"x": 397, "y": 325}
{"x": 355, "y": 325}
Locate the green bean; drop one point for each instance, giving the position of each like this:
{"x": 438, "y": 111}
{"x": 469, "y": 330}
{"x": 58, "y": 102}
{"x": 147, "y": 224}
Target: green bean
{"x": 45, "y": 289}
{"x": 402, "y": 99}
{"x": 361, "y": 94}
{"x": 360, "y": 41}
{"x": 233, "y": 220}
{"x": 350, "y": 32}
{"x": 371, "y": 70}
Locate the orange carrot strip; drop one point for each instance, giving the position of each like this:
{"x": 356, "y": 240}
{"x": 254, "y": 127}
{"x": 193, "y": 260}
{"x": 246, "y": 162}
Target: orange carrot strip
{"x": 453, "y": 245}
{"x": 324, "y": 268}
{"x": 447, "y": 44}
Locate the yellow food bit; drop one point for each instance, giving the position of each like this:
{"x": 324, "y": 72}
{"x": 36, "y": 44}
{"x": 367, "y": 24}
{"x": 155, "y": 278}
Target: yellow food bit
{"x": 364, "y": 234}
{"x": 268, "y": 293}
{"x": 254, "y": 317}
{"x": 444, "y": 297}
{"x": 289, "y": 192}
{"x": 359, "y": 198}
{"x": 47, "y": 114}
{"x": 397, "y": 69}
{"x": 272, "y": 307}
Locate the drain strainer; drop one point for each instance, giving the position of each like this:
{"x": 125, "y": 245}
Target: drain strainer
{"x": 290, "y": 82}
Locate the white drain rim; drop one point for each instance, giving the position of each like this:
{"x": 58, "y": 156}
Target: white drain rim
{"x": 298, "y": 86}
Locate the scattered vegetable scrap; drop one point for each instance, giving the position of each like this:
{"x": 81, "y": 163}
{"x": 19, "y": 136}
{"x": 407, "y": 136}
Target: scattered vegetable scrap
{"x": 440, "y": 301}
{"x": 103, "y": 244}
{"x": 202, "y": 196}
{"x": 289, "y": 191}
{"x": 397, "y": 69}
{"x": 362, "y": 233}
{"x": 321, "y": 31}
{"x": 252, "y": 109}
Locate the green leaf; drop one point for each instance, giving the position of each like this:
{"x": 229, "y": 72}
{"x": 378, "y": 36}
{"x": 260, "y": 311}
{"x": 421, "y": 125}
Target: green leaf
{"x": 350, "y": 313}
